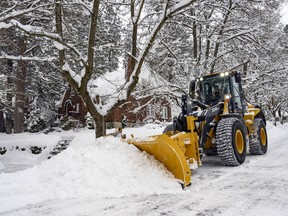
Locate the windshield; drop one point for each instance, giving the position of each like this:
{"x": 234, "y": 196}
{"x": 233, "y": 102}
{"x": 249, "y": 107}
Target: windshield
{"x": 213, "y": 89}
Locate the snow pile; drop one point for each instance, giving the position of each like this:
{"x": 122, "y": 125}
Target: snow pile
{"x": 18, "y": 147}
{"x": 2, "y": 166}
{"x": 28, "y": 139}
{"x": 146, "y": 130}
{"x": 103, "y": 168}
{"x": 276, "y": 132}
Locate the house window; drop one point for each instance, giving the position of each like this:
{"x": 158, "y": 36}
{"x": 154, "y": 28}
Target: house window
{"x": 151, "y": 111}
{"x": 164, "y": 112}
{"x": 68, "y": 107}
{"x": 77, "y": 108}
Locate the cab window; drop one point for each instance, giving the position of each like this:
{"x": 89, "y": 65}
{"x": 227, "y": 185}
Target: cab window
{"x": 237, "y": 106}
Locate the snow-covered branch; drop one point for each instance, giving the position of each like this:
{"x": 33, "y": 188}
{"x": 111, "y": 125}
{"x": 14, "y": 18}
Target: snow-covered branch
{"x": 26, "y": 58}
{"x": 238, "y": 34}
{"x": 39, "y": 32}
{"x": 11, "y": 14}
{"x": 121, "y": 96}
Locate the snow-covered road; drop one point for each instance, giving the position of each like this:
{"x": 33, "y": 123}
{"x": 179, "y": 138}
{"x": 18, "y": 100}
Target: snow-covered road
{"x": 258, "y": 187}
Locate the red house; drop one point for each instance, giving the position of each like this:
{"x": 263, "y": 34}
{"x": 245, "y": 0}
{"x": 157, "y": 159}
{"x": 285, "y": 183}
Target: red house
{"x": 135, "y": 111}
{"x": 72, "y": 108}
{"x": 144, "y": 110}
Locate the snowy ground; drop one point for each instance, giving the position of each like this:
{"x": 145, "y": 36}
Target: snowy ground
{"x": 109, "y": 177}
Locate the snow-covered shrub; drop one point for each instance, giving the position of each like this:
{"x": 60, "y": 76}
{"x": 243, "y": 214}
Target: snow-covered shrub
{"x": 89, "y": 121}
{"x": 157, "y": 122}
{"x": 36, "y": 121}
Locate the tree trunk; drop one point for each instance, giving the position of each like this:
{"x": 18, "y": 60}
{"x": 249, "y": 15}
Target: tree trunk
{"x": 8, "y": 126}
{"x": 100, "y": 126}
{"x": 9, "y": 96}
{"x": 131, "y": 58}
{"x": 194, "y": 33}
{"x": 245, "y": 70}
{"x": 280, "y": 116}
{"x": 274, "y": 119}
{"x": 20, "y": 90}
{"x": 59, "y": 29}
{"x": 273, "y": 111}
{"x": 200, "y": 47}
{"x": 208, "y": 41}
{"x": 283, "y": 117}
{"x": 2, "y": 128}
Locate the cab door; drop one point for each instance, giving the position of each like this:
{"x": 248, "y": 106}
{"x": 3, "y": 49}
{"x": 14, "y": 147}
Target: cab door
{"x": 237, "y": 96}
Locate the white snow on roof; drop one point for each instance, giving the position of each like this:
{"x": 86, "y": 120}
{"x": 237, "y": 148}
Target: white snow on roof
{"x": 112, "y": 82}
{"x": 110, "y": 87}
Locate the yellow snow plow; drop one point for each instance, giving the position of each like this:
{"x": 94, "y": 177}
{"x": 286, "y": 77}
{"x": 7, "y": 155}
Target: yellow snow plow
{"x": 179, "y": 153}
{"x": 216, "y": 120}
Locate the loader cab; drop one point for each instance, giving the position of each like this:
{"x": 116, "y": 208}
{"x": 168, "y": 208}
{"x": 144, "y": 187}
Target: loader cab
{"x": 210, "y": 89}
{"x": 238, "y": 101}
{"x": 213, "y": 89}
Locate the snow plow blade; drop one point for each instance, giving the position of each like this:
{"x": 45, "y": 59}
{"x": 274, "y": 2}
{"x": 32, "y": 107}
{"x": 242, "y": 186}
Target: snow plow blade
{"x": 168, "y": 152}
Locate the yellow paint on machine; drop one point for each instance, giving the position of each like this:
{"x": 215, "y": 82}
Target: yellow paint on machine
{"x": 176, "y": 152}
{"x": 165, "y": 150}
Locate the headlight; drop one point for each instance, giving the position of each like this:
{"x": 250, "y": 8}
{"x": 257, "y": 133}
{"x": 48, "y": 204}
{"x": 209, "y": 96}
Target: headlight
{"x": 227, "y": 97}
{"x": 224, "y": 74}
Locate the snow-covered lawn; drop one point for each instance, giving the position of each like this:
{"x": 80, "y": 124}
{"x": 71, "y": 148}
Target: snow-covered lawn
{"x": 110, "y": 177}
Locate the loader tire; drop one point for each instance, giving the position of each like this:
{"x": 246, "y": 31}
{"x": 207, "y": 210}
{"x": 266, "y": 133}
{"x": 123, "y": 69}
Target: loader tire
{"x": 231, "y": 141}
{"x": 259, "y": 144}
{"x": 210, "y": 152}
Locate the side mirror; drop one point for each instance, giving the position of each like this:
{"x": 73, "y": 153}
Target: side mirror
{"x": 186, "y": 105}
{"x": 238, "y": 77}
{"x": 192, "y": 89}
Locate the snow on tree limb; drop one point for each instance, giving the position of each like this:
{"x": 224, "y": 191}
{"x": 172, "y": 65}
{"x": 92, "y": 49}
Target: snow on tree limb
{"x": 4, "y": 25}
{"x": 131, "y": 84}
{"x": 26, "y": 58}
{"x": 76, "y": 78}
{"x": 10, "y": 14}
{"x": 238, "y": 34}
{"x": 38, "y": 31}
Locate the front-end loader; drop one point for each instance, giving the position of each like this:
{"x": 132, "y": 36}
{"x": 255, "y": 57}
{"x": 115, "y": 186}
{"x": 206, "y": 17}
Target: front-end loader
{"x": 216, "y": 119}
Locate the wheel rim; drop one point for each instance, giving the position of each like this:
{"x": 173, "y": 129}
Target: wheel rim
{"x": 263, "y": 137}
{"x": 239, "y": 140}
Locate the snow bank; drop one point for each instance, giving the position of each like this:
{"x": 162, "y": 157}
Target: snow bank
{"x": 103, "y": 168}
{"x": 146, "y": 130}
{"x": 28, "y": 139}
{"x": 18, "y": 147}
{"x": 2, "y": 166}
{"x": 276, "y": 132}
